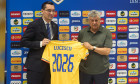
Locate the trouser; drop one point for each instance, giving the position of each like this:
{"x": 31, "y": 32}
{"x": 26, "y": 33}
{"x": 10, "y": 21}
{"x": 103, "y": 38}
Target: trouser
{"x": 96, "y": 79}
{"x": 34, "y": 77}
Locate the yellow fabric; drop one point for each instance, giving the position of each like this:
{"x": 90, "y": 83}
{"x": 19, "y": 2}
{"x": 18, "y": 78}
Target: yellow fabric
{"x": 64, "y": 58}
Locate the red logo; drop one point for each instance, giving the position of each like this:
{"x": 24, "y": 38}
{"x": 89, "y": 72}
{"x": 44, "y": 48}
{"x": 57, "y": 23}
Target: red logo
{"x": 85, "y": 26}
{"x": 122, "y": 28}
{"x": 15, "y": 75}
{"x": 133, "y": 58}
{"x": 16, "y": 37}
{"x": 24, "y": 28}
{"x": 133, "y": 80}
{"x": 15, "y": 14}
{"x": 74, "y": 36}
{"x": 121, "y": 65}
{"x": 36, "y": 18}
{"x": 110, "y": 13}
{"x": 102, "y": 21}
{"x": 24, "y": 68}
{"x": 113, "y": 35}
{"x": 55, "y": 14}
{"x": 133, "y": 20}
{"x": 112, "y": 73}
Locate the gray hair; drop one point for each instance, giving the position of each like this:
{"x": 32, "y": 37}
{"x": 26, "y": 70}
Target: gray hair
{"x": 93, "y": 13}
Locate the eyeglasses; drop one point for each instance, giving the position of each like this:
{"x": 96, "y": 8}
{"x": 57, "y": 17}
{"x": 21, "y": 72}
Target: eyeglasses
{"x": 96, "y": 20}
{"x": 50, "y": 11}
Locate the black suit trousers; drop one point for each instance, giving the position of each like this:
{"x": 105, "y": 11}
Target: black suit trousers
{"x": 34, "y": 77}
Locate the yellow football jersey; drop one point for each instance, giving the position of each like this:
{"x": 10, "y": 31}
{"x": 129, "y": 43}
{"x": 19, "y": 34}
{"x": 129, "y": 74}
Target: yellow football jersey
{"x": 64, "y": 58}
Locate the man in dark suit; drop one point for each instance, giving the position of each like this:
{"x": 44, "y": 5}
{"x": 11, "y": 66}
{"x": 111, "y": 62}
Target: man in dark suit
{"x": 37, "y": 35}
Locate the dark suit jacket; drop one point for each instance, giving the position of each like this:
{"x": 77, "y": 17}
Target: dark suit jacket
{"x": 36, "y": 32}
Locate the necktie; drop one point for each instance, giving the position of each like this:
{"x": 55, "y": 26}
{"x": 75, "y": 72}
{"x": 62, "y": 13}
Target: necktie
{"x": 48, "y": 31}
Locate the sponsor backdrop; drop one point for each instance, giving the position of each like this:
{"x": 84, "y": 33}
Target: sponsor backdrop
{"x": 121, "y": 17}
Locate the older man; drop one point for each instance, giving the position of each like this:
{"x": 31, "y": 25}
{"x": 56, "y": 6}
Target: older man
{"x": 99, "y": 42}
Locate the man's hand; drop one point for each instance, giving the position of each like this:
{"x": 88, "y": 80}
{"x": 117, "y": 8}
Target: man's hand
{"x": 88, "y": 46}
{"x": 45, "y": 41}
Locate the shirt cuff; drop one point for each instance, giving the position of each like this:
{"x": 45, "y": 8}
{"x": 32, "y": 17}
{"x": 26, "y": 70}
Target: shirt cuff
{"x": 40, "y": 43}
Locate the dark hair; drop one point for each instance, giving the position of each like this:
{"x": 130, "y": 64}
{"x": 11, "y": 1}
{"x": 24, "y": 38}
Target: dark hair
{"x": 44, "y": 4}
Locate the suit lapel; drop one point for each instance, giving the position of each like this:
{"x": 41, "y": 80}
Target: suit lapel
{"x": 43, "y": 27}
{"x": 44, "y": 30}
{"x": 53, "y": 28}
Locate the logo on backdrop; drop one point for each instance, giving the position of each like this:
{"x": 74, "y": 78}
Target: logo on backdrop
{"x": 122, "y": 28}
{"x": 38, "y": 13}
{"x": 122, "y": 73}
{"x": 24, "y": 75}
{"x": 121, "y": 50}
{"x": 64, "y": 21}
{"x": 15, "y": 75}
{"x": 112, "y": 28}
{"x": 16, "y": 60}
{"x": 85, "y": 21}
{"x": 133, "y": 50}
{"x": 113, "y": 35}
{"x": 16, "y": 68}
{"x": 64, "y": 13}
{"x": 16, "y": 52}
{"x": 27, "y": 21}
{"x": 122, "y": 13}
{"x": 15, "y": 14}
{"x": 134, "y": 13}
{"x": 111, "y": 80}
{"x": 24, "y": 60}
{"x": 133, "y": 58}
{"x": 133, "y": 80}
{"x": 24, "y": 68}
{"x": 133, "y": 65}
{"x": 112, "y": 66}
{"x": 25, "y": 82}
{"x": 122, "y": 20}
{"x": 27, "y": 13}
{"x": 15, "y": 21}
{"x": 15, "y": 45}
{"x": 110, "y": 20}
{"x": 74, "y": 35}
{"x": 15, "y": 82}
{"x": 63, "y": 28}
{"x": 64, "y": 36}
{"x": 122, "y": 35}
{"x": 122, "y": 58}
{"x": 133, "y": 28}
{"x": 110, "y": 13}
{"x": 75, "y": 28}
{"x": 133, "y": 35}
{"x": 133, "y": 73}
{"x": 76, "y": 21}
{"x": 113, "y": 43}
{"x": 15, "y": 37}
{"x": 122, "y": 80}
{"x": 112, "y": 73}
{"x": 122, "y": 43}
{"x": 75, "y": 13}
{"x": 58, "y": 1}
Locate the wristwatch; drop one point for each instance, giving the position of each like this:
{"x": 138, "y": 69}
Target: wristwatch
{"x": 94, "y": 47}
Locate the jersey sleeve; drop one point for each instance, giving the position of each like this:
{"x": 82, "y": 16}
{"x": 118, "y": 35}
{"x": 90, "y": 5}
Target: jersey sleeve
{"x": 46, "y": 54}
{"x": 83, "y": 53}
